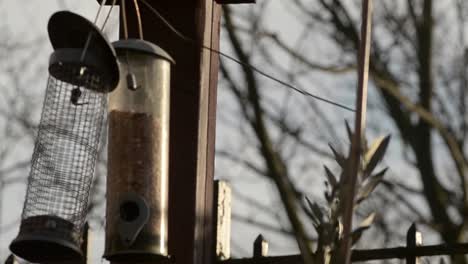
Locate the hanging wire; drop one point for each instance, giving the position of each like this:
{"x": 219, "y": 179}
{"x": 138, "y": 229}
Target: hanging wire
{"x": 103, "y": 2}
{"x": 167, "y": 23}
{"x": 90, "y": 35}
{"x": 140, "y": 26}
{"x": 247, "y": 65}
{"x": 108, "y": 15}
{"x": 130, "y": 76}
{"x": 124, "y": 18}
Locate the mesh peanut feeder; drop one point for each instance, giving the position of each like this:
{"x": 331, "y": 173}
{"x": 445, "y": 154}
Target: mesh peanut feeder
{"x": 82, "y": 69}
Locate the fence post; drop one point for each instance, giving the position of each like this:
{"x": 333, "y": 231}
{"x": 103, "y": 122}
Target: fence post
{"x": 413, "y": 239}
{"x": 222, "y": 209}
{"x": 260, "y": 248}
{"x": 86, "y": 245}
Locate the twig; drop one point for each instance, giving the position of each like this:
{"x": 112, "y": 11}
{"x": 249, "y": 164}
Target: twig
{"x": 349, "y": 181}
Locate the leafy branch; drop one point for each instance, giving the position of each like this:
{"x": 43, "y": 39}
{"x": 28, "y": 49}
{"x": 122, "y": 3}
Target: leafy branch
{"x": 327, "y": 220}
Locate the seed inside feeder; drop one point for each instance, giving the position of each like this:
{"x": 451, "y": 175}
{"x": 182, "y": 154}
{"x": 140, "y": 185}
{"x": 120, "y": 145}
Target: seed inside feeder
{"x": 138, "y": 155}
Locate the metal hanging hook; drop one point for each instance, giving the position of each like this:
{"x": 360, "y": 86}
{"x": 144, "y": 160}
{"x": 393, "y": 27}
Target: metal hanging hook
{"x": 132, "y": 82}
{"x": 124, "y": 19}
{"x": 90, "y": 35}
{"x": 140, "y": 25}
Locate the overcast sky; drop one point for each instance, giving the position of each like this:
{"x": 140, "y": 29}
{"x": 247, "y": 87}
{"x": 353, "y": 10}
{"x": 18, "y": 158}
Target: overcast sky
{"x": 29, "y": 21}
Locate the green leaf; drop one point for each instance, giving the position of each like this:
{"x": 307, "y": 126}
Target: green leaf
{"x": 380, "y": 174}
{"x": 369, "y": 187}
{"x": 340, "y": 159}
{"x": 357, "y": 233}
{"x": 349, "y": 131}
{"x": 335, "y": 209}
{"x": 375, "y": 154}
{"x": 328, "y": 196}
{"x": 363, "y": 226}
{"x": 316, "y": 212}
{"x": 340, "y": 228}
{"x": 368, "y": 221}
{"x": 331, "y": 177}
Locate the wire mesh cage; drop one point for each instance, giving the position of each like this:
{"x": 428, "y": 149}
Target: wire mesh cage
{"x": 66, "y": 147}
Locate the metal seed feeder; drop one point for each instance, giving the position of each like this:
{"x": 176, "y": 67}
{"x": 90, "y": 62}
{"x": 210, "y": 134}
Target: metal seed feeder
{"x": 138, "y": 155}
{"x": 83, "y": 69}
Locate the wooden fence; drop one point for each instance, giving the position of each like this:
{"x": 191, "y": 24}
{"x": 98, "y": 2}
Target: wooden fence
{"x": 411, "y": 252}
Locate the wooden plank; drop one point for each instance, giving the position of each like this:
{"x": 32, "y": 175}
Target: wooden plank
{"x": 222, "y": 204}
{"x": 208, "y": 30}
{"x": 87, "y": 246}
{"x": 11, "y": 260}
{"x": 413, "y": 240}
{"x": 260, "y": 248}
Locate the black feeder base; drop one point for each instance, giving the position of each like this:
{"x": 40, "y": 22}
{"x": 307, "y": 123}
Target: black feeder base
{"x": 46, "y": 238}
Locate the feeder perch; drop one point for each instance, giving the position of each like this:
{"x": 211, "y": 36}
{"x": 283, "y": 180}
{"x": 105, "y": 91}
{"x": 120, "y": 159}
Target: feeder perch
{"x": 138, "y": 154}
{"x": 82, "y": 69}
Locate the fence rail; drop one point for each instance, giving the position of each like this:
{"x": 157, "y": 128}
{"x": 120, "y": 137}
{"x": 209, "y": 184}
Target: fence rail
{"x": 367, "y": 255}
{"x": 411, "y": 252}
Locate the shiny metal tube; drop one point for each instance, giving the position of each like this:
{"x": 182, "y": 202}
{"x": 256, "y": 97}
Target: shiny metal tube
{"x": 138, "y": 154}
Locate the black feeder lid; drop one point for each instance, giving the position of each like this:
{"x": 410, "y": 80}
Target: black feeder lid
{"x": 41, "y": 241}
{"x": 142, "y": 46}
{"x": 69, "y": 33}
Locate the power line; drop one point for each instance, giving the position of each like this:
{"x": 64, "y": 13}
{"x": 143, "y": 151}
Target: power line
{"x": 244, "y": 64}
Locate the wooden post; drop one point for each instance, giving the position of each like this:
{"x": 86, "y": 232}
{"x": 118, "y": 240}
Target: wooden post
{"x": 11, "y": 260}
{"x": 222, "y": 204}
{"x": 260, "y": 248}
{"x": 85, "y": 246}
{"x": 192, "y": 118}
{"x": 413, "y": 240}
